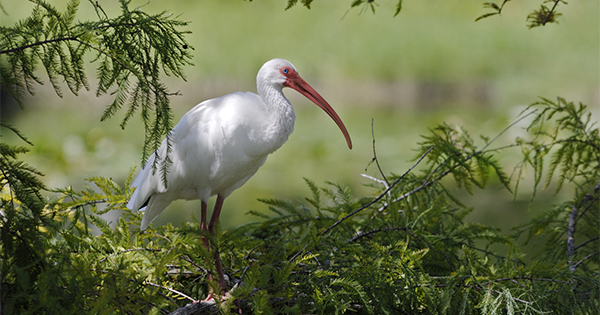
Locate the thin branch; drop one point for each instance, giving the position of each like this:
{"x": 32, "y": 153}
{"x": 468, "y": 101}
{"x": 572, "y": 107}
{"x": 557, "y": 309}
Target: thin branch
{"x": 512, "y": 297}
{"x": 87, "y": 203}
{"x": 428, "y": 183}
{"x": 375, "y": 156}
{"x": 12, "y": 50}
{"x": 188, "y": 259}
{"x": 492, "y": 254}
{"x": 169, "y": 289}
{"x": 377, "y": 180}
{"x": 381, "y": 195}
{"x": 550, "y": 12}
{"x": 584, "y": 258}
{"x": 586, "y": 242}
{"x": 593, "y": 201}
{"x": 506, "y": 129}
{"x": 360, "y": 235}
{"x": 524, "y": 278}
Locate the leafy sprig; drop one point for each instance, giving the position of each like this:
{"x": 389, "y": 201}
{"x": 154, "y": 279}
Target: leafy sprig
{"x": 132, "y": 52}
{"x": 406, "y": 249}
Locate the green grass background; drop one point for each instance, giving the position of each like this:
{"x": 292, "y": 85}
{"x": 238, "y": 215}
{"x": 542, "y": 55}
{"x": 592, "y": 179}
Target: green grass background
{"x": 431, "y": 63}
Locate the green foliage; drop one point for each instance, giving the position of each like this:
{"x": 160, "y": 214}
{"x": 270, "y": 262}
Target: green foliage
{"x": 131, "y": 51}
{"x": 539, "y": 17}
{"x": 496, "y": 9}
{"x": 572, "y": 144}
{"x": 544, "y": 15}
{"x": 406, "y": 249}
{"x": 536, "y": 18}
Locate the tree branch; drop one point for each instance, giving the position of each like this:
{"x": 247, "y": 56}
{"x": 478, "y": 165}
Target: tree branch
{"x": 375, "y": 156}
{"x": 550, "y": 13}
{"x": 200, "y": 308}
{"x": 12, "y": 50}
{"x": 383, "y": 194}
{"x": 586, "y": 242}
{"x": 584, "y": 258}
{"x": 169, "y": 289}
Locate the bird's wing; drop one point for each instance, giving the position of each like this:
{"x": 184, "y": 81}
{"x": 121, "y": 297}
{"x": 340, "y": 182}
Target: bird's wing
{"x": 196, "y": 146}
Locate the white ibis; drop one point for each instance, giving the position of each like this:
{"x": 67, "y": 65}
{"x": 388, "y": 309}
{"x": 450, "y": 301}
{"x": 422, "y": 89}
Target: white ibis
{"x": 220, "y": 143}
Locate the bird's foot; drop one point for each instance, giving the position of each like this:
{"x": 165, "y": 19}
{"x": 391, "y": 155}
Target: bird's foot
{"x": 213, "y": 297}
{"x": 223, "y": 298}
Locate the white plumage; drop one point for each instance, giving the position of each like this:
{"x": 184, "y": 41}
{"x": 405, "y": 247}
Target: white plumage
{"x": 220, "y": 143}
{"x": 216, "y": 147}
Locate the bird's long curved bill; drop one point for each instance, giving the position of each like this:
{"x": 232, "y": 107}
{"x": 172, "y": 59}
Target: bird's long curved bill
{"x": 298, "y": 84}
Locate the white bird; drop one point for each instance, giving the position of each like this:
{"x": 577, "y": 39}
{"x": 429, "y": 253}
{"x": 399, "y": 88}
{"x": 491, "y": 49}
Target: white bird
{"x": 220, "y": 144}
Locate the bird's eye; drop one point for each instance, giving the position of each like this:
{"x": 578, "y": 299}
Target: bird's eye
{"x": 285, "y": 70}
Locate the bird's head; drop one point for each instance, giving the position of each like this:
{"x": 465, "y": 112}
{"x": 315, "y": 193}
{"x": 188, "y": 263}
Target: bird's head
{"x": 280, "y": 73}
{"x": 276, "y": 72}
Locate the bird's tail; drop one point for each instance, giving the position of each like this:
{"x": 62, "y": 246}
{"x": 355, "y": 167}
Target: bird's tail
{"x": 155, "y": 205}
{"x": 147, "y": 194}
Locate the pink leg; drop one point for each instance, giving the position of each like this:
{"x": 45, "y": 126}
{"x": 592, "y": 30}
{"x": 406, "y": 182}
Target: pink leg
{"x": 215, "y": 215}
{"x": 204, "y": 230}
{"x": 203, "y": 226}
{"x": 211, "y": 229}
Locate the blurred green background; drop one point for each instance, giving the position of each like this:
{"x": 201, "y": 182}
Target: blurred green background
{"x": 432, "y": 63}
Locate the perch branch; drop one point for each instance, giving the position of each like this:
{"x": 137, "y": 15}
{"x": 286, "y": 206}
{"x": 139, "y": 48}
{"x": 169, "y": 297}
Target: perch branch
{"x": 200, "y": 308}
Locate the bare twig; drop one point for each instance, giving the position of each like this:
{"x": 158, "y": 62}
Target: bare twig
{"x": 492, "y": 254}
{"x": 188, "y": 259}
{"x": 169, "y": 289}
{"x": 512, "y": 297}
{"x": 377, "y": 180}
{"x": 375, "y": 156}
{"x": 584, "y": 258}
{"x": 550, "y": 12}
{"x": 592, "y": 200}
{"x": 380, "y": 196}
{"x": 12, "y": 50}
{"x": 363, "y": 234}
{"x": 586, "y": 242}
{"x": 87, "y": 203}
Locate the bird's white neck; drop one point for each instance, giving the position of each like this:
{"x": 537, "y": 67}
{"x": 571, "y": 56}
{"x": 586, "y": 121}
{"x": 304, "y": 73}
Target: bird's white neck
{"x": 281, "y": 114}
